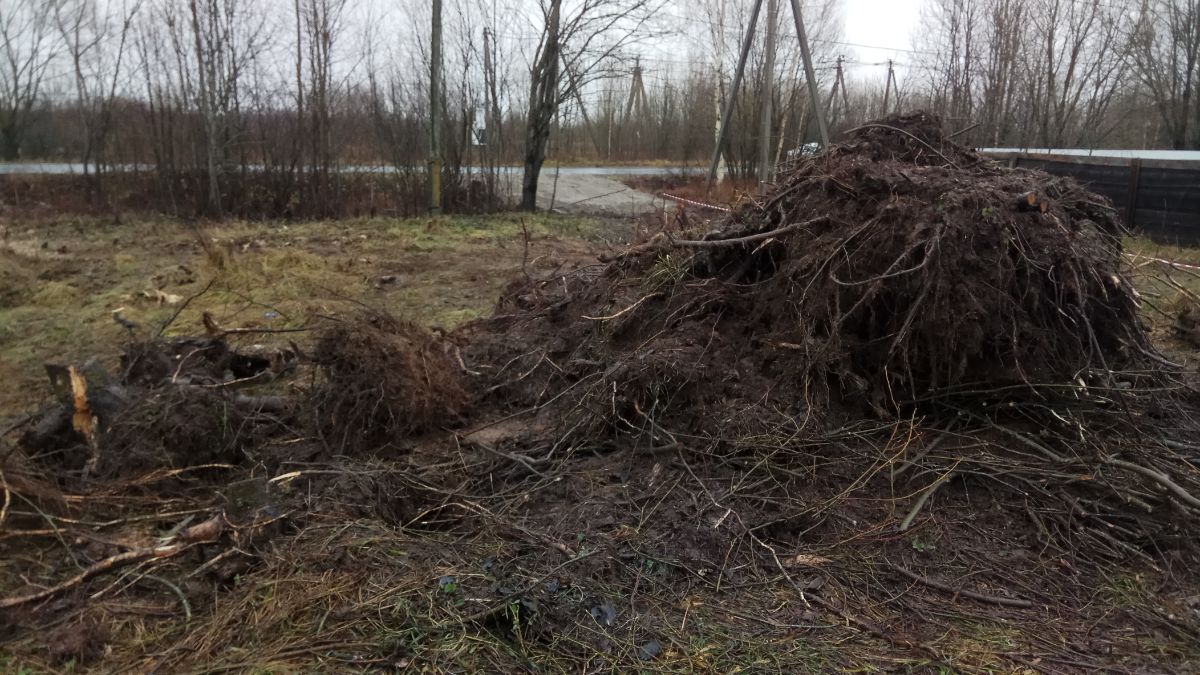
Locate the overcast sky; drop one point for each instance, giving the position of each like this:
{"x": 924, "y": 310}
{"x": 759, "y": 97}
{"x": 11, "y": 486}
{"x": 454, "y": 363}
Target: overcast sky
{"x": 887, "y": 23}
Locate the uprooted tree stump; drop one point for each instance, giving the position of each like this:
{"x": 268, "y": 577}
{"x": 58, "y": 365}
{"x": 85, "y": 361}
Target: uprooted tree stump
{"x": 172, "y": 403}
{"x": 383, "y": 380}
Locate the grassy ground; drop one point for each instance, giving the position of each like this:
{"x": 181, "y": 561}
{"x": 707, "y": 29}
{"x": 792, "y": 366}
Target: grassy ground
{"x": 61, "y": 281}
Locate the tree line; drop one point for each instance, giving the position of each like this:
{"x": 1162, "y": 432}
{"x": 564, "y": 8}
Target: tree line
{"x": 297, "y": 107}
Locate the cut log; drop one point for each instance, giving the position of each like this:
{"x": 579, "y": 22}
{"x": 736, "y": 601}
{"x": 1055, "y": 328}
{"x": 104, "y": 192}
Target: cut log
{"x": 1030, "y": 201}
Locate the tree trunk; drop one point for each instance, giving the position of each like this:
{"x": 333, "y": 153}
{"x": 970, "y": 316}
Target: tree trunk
{"x": 10, "y": 142}
{"x": 543, "y": 102}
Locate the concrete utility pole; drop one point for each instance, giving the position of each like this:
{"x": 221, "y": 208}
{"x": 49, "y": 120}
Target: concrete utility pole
{"x": 887, "y": 90}
{"x": 768, "y": 104}
{"x": 733, "y": 90}
{"x": 809, "y": 74}
{"x": 435, "y": 112}
{"x": 818, "y": 112}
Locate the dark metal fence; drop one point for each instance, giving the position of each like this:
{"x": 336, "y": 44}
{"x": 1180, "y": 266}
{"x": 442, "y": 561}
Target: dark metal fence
{"x": 1157, "y": 198}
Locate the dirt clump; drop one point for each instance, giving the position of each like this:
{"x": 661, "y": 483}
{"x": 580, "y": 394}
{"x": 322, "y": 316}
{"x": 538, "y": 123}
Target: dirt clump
{"x": 1186, "y": 326}
{"x": 80, "y": 643}
{"x": 383, "y": 379}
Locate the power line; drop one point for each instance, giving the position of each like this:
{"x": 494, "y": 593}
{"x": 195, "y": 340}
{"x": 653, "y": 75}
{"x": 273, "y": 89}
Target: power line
{"x": 824, "y": 41}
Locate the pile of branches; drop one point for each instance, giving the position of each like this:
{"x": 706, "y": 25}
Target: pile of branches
{"x": 895, "y": 276}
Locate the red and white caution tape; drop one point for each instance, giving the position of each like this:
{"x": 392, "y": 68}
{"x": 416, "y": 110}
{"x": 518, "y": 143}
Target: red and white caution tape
{"x": 691, "y": 202}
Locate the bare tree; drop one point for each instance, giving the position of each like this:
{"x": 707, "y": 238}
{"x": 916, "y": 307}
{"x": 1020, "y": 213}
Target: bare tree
{"x": 88, "y": 32}
{"x": 543, "y": 103}
{"x": 319, "y": 24}
{"x": 225, "y": 37}
{"x": 588, "y": 41}
{"x": 952, "y": 46}
{"x": 1000, "y": 74}
{"x": 1076, "y": 65}
{"x": 1166, "y": 55}
{"x": 27, "y": 48}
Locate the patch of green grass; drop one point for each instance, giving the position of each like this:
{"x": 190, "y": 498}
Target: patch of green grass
{"x": 666, "y": 273}
{"x": 1125, "y": 590}
{"x": 55, "y": 295}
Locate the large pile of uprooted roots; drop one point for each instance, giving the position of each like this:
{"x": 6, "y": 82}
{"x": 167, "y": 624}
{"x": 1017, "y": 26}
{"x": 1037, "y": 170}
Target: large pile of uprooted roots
{"x": 893, "y": 269}
{"x": 894, "y": 276}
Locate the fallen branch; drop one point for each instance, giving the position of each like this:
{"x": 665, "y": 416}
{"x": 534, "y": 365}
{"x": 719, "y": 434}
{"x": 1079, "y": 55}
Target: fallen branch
{"x": 7, "y": 499}
{"x": 183, "y": 305}
{"x": 960, "y": 132}
{"x": 216, "y": 331}
{"x": 504, "y": 602}
{"x": 716, "y": 243}
{"x": 627, "y": 309}
{"x": 656, "y": 242}
{"x": 916, "y": 508}
{"x": 1160, "y": 478}
{"x": 946, "y": 588}
{"x": 206, "y": 532}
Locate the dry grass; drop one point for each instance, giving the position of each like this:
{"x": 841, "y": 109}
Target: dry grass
{"x": 61, "y": 280}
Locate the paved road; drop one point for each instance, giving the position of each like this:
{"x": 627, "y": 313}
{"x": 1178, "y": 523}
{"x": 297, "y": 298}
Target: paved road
{"x": 71, "y": 167}
{"x": 577, "y": 192}
{"x": 576, "y": 189}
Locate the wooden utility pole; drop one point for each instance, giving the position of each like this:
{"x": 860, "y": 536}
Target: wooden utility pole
{"x": 768, "y": 103}
{"x": 435, "y": 112}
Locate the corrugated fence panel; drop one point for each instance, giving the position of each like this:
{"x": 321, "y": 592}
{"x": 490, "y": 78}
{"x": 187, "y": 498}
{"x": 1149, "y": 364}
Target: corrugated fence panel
{"x": 1166, "y": 197}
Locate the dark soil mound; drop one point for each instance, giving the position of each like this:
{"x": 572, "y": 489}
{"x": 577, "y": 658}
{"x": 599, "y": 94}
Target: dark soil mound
{"x": 384, "y": 379}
